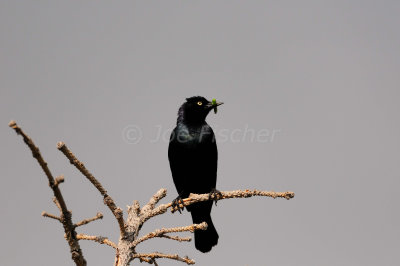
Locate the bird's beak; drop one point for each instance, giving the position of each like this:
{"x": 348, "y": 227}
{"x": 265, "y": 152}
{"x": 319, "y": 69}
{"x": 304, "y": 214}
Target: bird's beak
{"x": 214, "y": 104}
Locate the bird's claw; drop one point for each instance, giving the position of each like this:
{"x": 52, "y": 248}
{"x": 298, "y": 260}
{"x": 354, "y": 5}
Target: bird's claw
{"x": 215, "y": 195}
{"x": 177, "y": 204}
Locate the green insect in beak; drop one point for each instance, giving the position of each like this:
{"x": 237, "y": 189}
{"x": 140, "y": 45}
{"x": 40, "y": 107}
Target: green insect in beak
{"x": 214, "y": 105}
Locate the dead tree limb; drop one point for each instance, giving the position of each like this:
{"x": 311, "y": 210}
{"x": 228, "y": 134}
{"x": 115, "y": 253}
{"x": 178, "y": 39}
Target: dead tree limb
{"x": 129, "y": 229}
{"x": 156, "y": 255}
{"x": 98, "y": 216}
{"x": 98, "y": 239}
{"x": 116, "y": 211}
{"x": 66, "y": 216}
{"x": 137, "y": 216}
{"x": 193, "y": 198}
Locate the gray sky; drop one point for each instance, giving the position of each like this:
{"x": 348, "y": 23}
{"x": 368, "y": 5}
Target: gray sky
{"x": 320, "y": 77}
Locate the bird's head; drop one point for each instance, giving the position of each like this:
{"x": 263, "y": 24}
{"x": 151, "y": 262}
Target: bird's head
{"x": 196, "y": 109}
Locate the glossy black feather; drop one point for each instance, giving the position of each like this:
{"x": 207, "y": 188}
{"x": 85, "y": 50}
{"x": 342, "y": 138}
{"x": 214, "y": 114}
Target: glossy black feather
{"x": 193, "y": 158}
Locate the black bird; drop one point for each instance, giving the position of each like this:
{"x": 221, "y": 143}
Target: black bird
{"x": 193, "y": 157}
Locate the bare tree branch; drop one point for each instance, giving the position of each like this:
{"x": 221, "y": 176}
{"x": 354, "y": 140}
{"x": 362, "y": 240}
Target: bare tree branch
{"x": 149, "y": 261}
{"x": 57, "y": 204}
{"x": 98, "y": 239}
{"x": 177, "y": 238}
{"x": 116, "y": 211}
{"x": 163, "y": 231}
{"x": 157, "y": 255}
{"x": 52, "y": 216}
{"x": 86, "y": 221}
{"x": 137, "y": 216}
{"x": 193, "y": 198}
{"x": 148, "y": 211}
{"x": 59, "y": 180}
{"x": 154, "y": 200}
{"x": 66, "y": 217}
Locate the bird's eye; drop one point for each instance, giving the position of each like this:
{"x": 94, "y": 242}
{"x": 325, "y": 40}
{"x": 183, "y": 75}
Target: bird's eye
{"x": 199, "y": 103}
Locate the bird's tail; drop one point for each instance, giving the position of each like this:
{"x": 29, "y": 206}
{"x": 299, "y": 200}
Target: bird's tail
{"x": 204, "y": 240}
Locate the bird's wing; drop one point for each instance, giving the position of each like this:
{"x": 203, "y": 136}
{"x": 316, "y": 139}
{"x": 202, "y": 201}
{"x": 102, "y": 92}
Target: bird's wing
{"x": 193, "y": 161}
{"x": 178, "y": 156}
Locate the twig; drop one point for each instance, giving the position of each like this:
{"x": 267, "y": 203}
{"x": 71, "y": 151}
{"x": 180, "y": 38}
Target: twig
{"x": 157, "y": 255}
{"x": 98, "y": 239}
{"x": 163, "y": 231}
{"x": 116, "y": 211}
{"x": 148, "y": 211}
{"x": 149, "y": 261}
{"x": 66, "y": 219}
{"x": 52, "y": 216}
{"x": 154, "y": 200}
{"x": 86, "y": 221}
{"x": 59, "y": 180}
{"x": 156, "y": 211}
{"x": 177, "y": 238}
{"x": 57, "y": 204}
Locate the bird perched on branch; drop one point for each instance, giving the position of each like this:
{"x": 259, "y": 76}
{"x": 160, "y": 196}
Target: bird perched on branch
{"x": 193, "y": 157}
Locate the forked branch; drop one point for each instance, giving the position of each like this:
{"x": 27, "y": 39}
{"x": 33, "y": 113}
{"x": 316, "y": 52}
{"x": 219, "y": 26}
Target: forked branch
{"x": 137, "y": 216}
{"x": 66, "y": 217}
